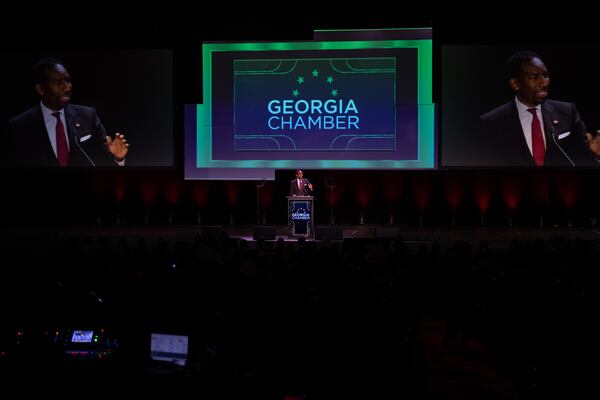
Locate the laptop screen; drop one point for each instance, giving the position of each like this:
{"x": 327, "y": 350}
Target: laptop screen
{"x": 170, "y": 348}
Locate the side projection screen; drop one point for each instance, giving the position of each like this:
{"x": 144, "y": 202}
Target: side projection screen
{"x": 321, "y": 104}
{"x": 518, "y": 106}
{"x": 65, "y": 103}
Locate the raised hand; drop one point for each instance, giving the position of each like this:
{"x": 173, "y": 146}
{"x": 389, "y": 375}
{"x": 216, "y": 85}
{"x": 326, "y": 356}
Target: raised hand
{"x": 118, "y": 146}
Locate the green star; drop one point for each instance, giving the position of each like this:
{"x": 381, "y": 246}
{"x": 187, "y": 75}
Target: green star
{"x": 330, "y": 79}
{"x": 334, "y": 92}
{"x": 295, "y": 93}
{"x": 315, "y": 73}
{"x": 300, "y": 80}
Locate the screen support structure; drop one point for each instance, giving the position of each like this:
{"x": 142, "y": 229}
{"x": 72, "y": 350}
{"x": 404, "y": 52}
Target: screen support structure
{"x": 330, "y": 183}
{"x": 258, "y": 187}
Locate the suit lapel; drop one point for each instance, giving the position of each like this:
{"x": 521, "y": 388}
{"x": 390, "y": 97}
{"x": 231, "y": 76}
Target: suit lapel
{"x": 548, "y": 115}
{"x": 72, "y": 124}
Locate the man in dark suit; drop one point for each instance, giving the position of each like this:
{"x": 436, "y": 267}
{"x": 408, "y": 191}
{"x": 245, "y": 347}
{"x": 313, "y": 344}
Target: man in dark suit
{"x": 531, "y": 130}
{"x": 300, "y": 186}
{"x": 56, "y": 133}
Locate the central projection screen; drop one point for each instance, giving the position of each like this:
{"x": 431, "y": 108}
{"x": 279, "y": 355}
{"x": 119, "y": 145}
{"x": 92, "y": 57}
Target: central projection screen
{"x": 314, "y": 105}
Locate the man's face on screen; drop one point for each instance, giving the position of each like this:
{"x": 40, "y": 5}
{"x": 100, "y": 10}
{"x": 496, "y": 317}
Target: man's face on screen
{"x": 299, "y": 174}
{"x": 55, "y": 91}
{"x": 533, "y": 83}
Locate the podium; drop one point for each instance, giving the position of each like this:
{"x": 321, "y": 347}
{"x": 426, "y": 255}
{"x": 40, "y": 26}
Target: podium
{"x": 301, "y": 216}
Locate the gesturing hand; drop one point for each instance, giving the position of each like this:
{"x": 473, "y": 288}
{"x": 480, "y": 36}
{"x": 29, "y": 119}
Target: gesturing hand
{"x": 118, "y": 146}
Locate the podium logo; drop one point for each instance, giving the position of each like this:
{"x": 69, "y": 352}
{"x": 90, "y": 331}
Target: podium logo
{"x": 301, "y": 215}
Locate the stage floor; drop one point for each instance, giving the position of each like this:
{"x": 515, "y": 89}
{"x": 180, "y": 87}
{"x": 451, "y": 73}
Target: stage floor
{"x": 408, "y": 234}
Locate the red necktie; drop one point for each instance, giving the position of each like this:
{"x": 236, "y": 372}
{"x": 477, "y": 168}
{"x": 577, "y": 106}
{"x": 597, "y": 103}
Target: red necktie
{"x": 62, "y": 151}
{"x": 537, "y": 139}
{"x": 300, "y": 185}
